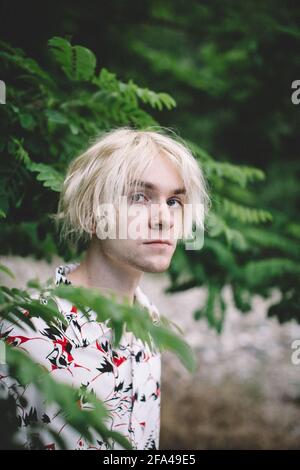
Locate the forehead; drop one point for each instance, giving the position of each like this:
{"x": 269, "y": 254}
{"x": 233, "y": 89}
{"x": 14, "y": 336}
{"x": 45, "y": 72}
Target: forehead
{"x": 162, "y": 175}
{"x": 153, "y": 187}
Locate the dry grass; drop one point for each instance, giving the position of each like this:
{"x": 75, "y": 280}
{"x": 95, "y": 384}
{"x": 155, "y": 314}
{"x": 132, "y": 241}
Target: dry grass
{"x": 231, "y": 414}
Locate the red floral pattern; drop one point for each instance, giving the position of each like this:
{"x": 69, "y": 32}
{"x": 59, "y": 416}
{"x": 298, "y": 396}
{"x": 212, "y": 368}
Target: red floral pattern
{"x": 126, "y": 378}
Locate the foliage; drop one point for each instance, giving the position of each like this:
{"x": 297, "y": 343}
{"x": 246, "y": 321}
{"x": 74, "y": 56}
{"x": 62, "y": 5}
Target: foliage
{"x": 21, "y": 307}
{"x": 69, "y": 103}
{"x": 49, "y": 117}
{"x": 53, "y": 111}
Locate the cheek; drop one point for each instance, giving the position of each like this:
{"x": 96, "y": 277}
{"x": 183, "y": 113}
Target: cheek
{"x": 119, "y": 249}
{"x": 178, "y": 224}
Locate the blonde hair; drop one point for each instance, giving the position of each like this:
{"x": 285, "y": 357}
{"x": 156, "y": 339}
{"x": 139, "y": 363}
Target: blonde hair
{"x": 103, "y": 172}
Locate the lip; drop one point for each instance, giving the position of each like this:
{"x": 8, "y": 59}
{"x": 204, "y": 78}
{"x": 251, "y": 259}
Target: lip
{"x": 158, "y": 242}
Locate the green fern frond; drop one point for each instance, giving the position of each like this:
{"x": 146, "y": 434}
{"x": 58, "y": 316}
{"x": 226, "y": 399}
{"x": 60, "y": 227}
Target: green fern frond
{"x": 17, "y": 149}
{"x": 261, "y": 238}
{"x": 239, "y": 174}
{"x": 241, "y": 297}
{"x": 214, "y": 310}
{"x": 156, "y": 100}
{"x": 244, "y": 214}
{"x": 217, "y": 226}
{"x": 17, "y": 57}
{"x": 130, "y": 92}
{"x": 48, "y": 175}
{"x": 77, "y": 62}
{"x": 261, "y": 272}
{"x": 293, "y": 229}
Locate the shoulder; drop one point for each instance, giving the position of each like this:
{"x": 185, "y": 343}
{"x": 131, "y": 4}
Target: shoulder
{"x": 144, "y": 300}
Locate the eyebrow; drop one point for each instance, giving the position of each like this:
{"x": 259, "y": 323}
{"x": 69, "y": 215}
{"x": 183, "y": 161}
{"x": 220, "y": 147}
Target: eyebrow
{"x": 153, "y": 187}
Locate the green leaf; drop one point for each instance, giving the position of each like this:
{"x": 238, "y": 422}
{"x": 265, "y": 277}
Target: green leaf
{"x": 26, "y": 371}
{"x": 169, "y": 340}
{"x": 136, "y": 320}
{"x": 56, "y": 117}
{"x": 77, "y": 62}
{"x": 27, "y": 121}
{"x": 7, "y": 271}
{"x": 48, "y": 175}
{"x": 245, "y": 214}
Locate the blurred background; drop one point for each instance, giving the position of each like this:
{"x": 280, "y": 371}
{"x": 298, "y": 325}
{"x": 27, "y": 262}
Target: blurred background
{"x": 219, "y": 74}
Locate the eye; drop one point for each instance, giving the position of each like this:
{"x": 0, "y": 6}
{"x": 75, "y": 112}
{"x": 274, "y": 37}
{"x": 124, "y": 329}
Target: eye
{"x": 137, "y": 197}
{"x": 177, "y": 202}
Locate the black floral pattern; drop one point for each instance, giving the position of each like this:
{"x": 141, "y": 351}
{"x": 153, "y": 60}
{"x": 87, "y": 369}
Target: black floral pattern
{"x": 127, "y": 379}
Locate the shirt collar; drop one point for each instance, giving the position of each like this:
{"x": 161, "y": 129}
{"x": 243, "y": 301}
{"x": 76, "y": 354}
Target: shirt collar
{"x": 140, "y": 297}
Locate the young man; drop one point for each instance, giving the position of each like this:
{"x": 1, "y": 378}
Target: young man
{"x": 155, "y": 176}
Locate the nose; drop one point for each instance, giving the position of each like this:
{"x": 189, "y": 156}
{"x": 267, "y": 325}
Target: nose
{"x": 160, "y": 217}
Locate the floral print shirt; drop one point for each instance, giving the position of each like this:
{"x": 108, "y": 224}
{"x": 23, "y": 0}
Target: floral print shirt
{"x": 127, "y": 378}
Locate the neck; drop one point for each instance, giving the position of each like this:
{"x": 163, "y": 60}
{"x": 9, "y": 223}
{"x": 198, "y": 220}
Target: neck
{"x": 97, "y": 270}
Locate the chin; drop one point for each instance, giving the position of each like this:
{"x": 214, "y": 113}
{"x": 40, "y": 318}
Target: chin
{"x": 158, "y": 267}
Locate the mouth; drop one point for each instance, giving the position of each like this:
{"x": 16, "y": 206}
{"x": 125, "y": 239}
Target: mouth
{"x": 158, "y": 242}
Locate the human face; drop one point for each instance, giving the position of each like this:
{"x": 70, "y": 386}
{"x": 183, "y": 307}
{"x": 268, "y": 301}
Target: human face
{"x": 161, "y": 199}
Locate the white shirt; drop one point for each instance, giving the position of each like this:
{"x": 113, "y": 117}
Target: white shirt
{"x": 127, "y": 378}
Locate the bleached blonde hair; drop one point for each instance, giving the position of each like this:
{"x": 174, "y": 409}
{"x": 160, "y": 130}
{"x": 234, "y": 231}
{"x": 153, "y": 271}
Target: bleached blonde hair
{"x": 103, "y": 172}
